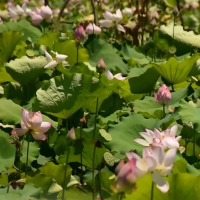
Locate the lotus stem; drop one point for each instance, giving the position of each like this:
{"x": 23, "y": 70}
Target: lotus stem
{"x": 63, "y": 8}
{"x": 64, "y": 182}
{"x": 77, "y": 48}
{"x": 163, "y": 110}
{"x": 93, "y": 159}
{"x": 99, "y": 173}
{"x": 81, "y": 131}
{"x": 152, "y": 189}
{"x": 173, "y": 88}
{"x": 8, "y": 187}
{"x": 94, "y": 11}
{"x": 27, "y": 155}
{"x": 194, "y": 142}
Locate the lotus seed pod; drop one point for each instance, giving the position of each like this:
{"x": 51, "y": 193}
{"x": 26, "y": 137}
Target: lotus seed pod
{"x": 109, "y": 159}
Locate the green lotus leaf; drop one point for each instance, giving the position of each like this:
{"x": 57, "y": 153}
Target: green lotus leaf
{"x": 24, "y": 27}
{"x": 98, "y": 48}
{"x": 7, "y": 150}
{"x": 63, "y": 95}
{"x": 182, "y": 186}
{"x": 137, "y": 83}
{"x": 26, "y": 70}
{"x": 175, "y": 71}
{"x": 56, "y": 172}
{"x": 8, "y": 43}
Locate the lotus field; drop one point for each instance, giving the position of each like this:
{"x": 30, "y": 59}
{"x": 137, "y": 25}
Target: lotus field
{"x": 99, "y": 100}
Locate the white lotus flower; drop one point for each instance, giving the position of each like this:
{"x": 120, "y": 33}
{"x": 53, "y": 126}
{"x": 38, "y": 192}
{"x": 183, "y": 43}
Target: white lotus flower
{"x": 53, "y": 63}
{"x": 110, "y": 18}
{"x": 117, "y": 76}
{"x": 165, "y": 138}
{"x": 157, "y": 162}
{"x": 16, "y": 11}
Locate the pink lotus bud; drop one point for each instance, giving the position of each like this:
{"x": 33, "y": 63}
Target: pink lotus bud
{"x": 35, "y": 18}
{"x": 71, "y": 134}
{"x": 155, "y": 14}
{"x": 46, "y": 12}
{"x": 163, "y": 96}
{"x": 101, "y": 66}
{"x": 79, "y": 33}
{"x": 175, "y": 11}
{"x": 93, "y": 29}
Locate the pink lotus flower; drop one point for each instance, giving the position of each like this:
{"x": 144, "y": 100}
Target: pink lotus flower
{"x": 143, "y": 165}
{"x": 32, "y": 121}
{"x": 93, "y": 29}
{"x": 117, "y": 76}
{"x": 165, "y": 138}
{"x": 126, "y": 178}
{"x": 163, "y": 96}
{"x": 159, "y": 163}
{"x": 79, "y": 33}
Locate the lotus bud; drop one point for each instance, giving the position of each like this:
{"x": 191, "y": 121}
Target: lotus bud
{"x": 93, "y": 29}
{"x": 46, "y": 12}
{"x": 175, "y": 11}
{"x": 163, "y": 96}
{"x": 79, "y": 33}
{"x": 71, "y": 134}
{"x": 101, "y": 66}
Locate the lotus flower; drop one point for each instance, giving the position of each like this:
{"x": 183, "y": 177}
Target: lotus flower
{"x": 53, "y": 63}
{"x": 16, "y": 11}
{"x": 111, "y": 18}
{"x": 117, "y": 76}
{"x": 163, "y": 96}
{"x": 160, "y": 164}
{"x": 129, "y": 11}
{"x": 143, "y": 165}
{"x": 93, "y": 29}
{"x": 79, "y": 33}
{"x": 32, "y": 121}
{"x": 126, "y": 178}
{"x": 165, "y": 138}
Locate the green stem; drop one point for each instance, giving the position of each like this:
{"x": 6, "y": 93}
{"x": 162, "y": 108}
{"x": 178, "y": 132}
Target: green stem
{"x": 93, "y": 136}
{"x": 194, "y": 143}
{"x": 81, "y": 131}
{"x": 77, "y": 48}
{"x": 173, "y": 28}
{"x": 173, "y": 88}
{"x": 93, "y": 178}
{"x": 27, "y": 156}
{"x": 99, "y": 173}
{"x": 163, "y": 110}
{"x": 19, "y": 159}
{"x": 152, "y": 188}
{"x": 64, "y": 182}
{"x": 8, "y": 187}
